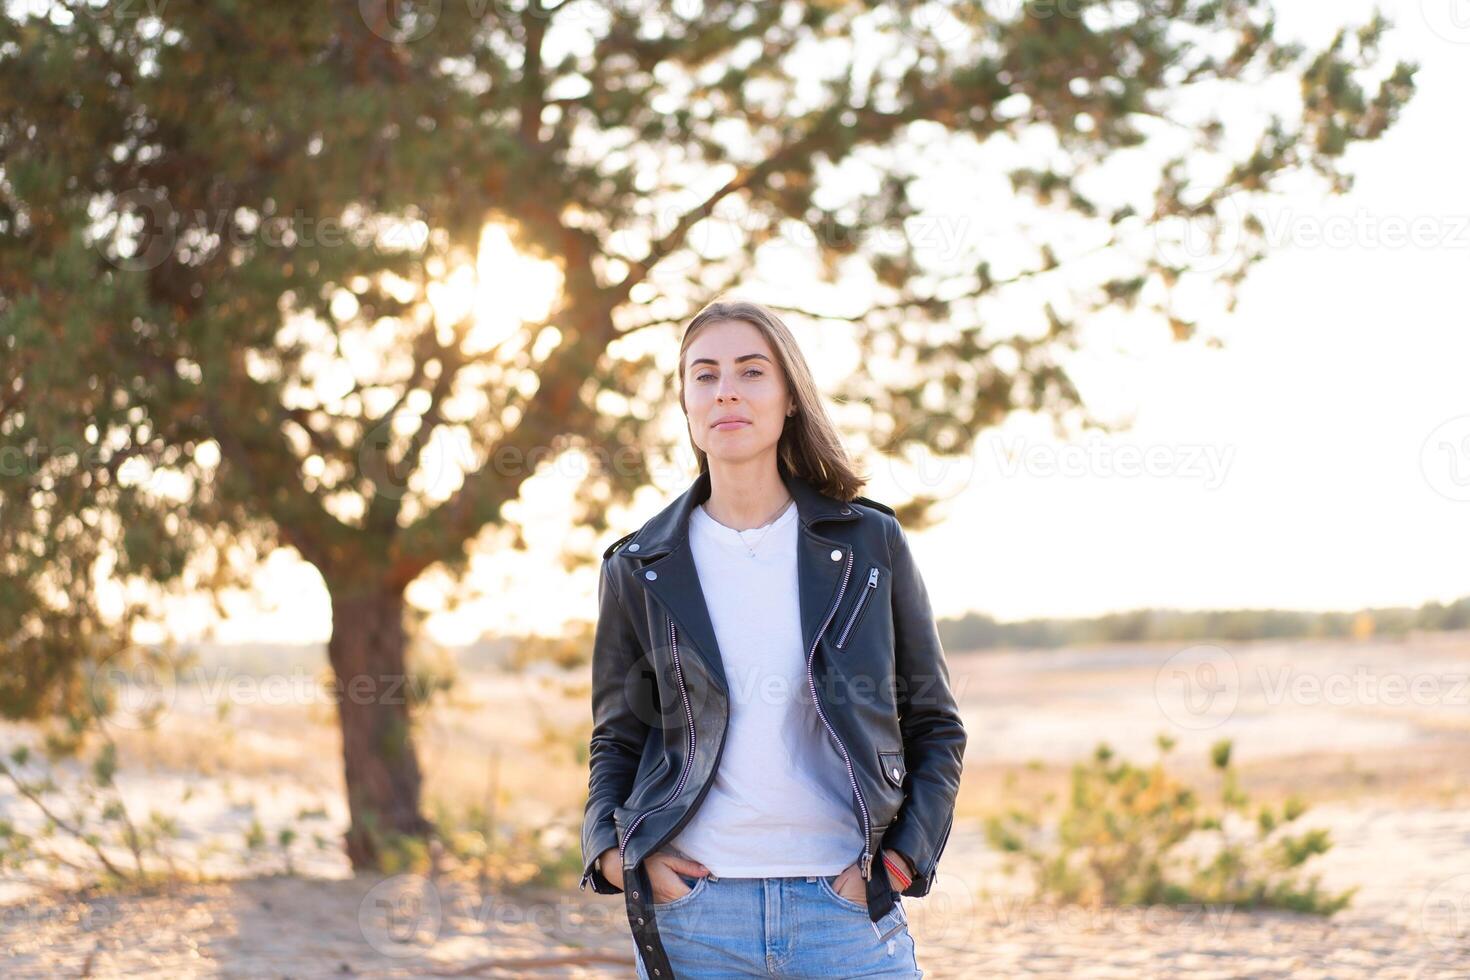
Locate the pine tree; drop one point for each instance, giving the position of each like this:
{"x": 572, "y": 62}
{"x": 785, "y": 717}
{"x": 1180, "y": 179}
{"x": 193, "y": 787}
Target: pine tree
{"x": 219, "y": 223}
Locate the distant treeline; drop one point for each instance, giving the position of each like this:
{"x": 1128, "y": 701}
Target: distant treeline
{"x": 980, "y": 632}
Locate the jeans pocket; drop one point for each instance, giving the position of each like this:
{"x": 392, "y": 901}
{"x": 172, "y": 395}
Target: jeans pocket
{"x": 826, "y": 884}
{"x": 696, "y": 885}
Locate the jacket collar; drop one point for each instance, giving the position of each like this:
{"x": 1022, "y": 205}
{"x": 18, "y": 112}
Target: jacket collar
{"x": 668, "y": 570}
{"x": 665, "y": 530}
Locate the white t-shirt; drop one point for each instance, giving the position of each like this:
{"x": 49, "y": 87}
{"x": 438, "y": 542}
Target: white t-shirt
{"x": 781, "y": 801}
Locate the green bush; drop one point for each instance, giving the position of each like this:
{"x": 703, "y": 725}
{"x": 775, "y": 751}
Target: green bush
{"x": 499, "y": 853}
{"x": 1128, "y": 836}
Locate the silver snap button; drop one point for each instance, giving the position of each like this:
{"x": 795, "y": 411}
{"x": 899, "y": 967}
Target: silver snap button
{"x": 895, "y": 772}
{"x": 650, "y": 575}
{"x": 836, "y": 554}
{"x": 649, "y": 948}
{"x": 635, "y": 894}
{"x": 847, "y": 510}
{"x": 633, "y": 546}
{"x": 640, "y": 920}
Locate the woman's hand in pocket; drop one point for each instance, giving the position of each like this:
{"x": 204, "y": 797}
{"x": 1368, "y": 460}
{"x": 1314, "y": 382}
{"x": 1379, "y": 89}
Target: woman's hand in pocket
{"x": 850, "y": 885}
{"x": 664, "y": 869}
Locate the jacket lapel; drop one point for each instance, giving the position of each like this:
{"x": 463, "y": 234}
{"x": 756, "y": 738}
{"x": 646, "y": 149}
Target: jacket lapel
{"x": 662, "y": 544}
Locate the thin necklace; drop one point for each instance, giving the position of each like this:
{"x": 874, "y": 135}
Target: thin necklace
{"x": 767, "y": 529}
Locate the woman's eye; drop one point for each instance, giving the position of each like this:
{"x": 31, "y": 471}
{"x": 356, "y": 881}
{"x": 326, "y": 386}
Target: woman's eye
{"x": 748, "y": 371}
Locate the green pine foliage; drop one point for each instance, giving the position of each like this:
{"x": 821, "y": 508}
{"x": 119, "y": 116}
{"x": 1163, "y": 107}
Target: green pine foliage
{"x": 1131, "y": 835}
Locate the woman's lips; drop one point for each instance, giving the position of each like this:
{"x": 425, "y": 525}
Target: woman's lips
{"x": 730, "y": 424}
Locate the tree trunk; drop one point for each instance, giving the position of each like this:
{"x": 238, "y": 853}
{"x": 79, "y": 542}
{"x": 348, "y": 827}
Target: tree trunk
{"x": 367, "y": 651}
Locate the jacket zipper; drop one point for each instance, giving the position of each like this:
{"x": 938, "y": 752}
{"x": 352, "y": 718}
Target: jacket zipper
{"x": 857, "y": 610}
{"x": 689, "y": 758}
{"x": 699, "y": 797}
{"x": 942, "y": 841}
{"x": 866, "y": 862}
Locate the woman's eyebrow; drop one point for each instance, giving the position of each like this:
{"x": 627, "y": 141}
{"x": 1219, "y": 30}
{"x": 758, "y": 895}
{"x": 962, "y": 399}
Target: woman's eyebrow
{"x": 742, "y": 357}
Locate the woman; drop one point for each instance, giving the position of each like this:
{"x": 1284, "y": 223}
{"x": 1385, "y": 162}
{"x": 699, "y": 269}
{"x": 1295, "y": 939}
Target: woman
{"x": 775, "y": 751}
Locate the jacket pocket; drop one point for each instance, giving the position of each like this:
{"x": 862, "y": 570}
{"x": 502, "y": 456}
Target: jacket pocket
{"x": 893, "y": 767}
{"x": 860, "y": 606}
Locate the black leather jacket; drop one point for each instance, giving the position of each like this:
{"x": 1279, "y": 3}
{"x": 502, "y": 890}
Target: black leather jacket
{"x": 877, "y": 677}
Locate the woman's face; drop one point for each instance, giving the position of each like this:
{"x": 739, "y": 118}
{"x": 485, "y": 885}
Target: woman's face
{"x": 730, "y": 372}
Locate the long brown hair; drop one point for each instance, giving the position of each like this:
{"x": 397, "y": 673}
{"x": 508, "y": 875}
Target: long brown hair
{"x": 809, "y": 446}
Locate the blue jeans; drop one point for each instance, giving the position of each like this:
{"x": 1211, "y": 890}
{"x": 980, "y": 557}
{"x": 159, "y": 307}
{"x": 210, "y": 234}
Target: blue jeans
{"x": 790, "y": 928}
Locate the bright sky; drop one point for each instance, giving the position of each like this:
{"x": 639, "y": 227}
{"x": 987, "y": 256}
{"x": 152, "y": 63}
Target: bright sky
{"x": 1321, "y": 460}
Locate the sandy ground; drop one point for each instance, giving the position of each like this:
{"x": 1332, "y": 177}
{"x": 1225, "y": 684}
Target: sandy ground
{"x": 1389, "y": 775}
{"x": 1404, "y": 925}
